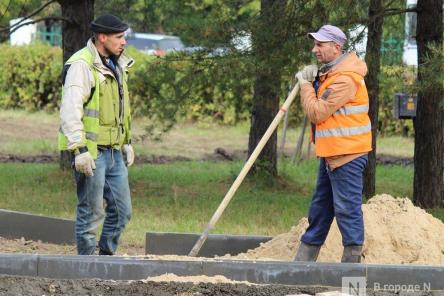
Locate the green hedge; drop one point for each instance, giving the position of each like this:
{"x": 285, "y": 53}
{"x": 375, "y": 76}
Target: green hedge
{"x": 194, "y": 87}
{"x": 30, "y": 77}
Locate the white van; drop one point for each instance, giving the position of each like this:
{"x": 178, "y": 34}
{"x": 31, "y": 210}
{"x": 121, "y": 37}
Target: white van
{"x": 154, "y": 44}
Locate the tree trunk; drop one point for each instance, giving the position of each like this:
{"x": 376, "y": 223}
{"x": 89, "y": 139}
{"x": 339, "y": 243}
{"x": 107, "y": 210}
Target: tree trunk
{"x": 75, "y": 35}
{"x": 268, "y": 40}
{"x": 372, "y": 58}
{"x": 429, "y": 121}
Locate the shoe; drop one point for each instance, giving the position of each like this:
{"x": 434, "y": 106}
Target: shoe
{"x": 307, "y": 252}
{"x": 352, "y": 254}
{"x": 105, "y": 253}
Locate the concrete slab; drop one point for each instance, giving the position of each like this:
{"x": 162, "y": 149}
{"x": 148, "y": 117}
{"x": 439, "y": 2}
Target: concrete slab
{"x": 287, "y": 273}
{"x": 399, "y": 278}
{"x": 36, "y": 227}
{"x": 18, "y": 264}
{"x": 112, "y": 268}
{"x": 402, "y": 277}
{"x": 170, "y": 243}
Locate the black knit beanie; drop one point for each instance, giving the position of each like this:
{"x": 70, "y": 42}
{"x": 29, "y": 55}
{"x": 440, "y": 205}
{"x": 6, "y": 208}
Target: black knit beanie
{"x": 108, "y": 23}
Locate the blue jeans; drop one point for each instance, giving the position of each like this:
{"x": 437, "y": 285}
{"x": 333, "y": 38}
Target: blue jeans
{"x": 338, "y": 193}
{"x": 109, "y": 184}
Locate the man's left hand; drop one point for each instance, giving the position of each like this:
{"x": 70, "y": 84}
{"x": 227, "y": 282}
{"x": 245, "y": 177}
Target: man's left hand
{"x": 128, "y": 150}
{"x": 308, "y": 74}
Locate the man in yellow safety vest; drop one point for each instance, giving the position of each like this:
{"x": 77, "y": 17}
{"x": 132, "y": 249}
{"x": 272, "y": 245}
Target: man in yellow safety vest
{"x": 95, "y": 126}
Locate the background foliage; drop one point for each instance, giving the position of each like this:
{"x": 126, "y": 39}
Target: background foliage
{"x": 189, "y": 87}
{"x": 215, "y": 84}
{"x": 30, "y": 77}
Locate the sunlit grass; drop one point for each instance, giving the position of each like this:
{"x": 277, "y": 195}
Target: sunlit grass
{"x": 36, "y": 133}
{"x": 182, "y": 196}
{"x": 395, "y": 145}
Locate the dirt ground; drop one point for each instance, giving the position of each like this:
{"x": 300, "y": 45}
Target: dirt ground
{"x": 38, "y": 247}
{"x": 14, "y": 285}
{"x": 219, "y": 154}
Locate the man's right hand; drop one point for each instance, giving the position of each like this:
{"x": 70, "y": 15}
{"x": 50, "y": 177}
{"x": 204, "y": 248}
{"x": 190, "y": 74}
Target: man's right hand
{"x": 85, "y": 164}
{"x": 308, "y": 74}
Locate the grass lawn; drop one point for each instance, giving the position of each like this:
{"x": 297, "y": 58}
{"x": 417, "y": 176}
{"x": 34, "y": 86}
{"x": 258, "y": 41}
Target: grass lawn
{"x": 182, "y": 196}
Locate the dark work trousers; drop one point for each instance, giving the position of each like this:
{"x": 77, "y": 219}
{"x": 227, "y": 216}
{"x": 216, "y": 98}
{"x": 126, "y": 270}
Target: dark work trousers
{"x": 338, "y": 194}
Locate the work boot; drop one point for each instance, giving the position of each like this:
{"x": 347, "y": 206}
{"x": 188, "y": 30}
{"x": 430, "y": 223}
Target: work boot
{"x": 352, "y": 254}
{"x": 307, "y": 252}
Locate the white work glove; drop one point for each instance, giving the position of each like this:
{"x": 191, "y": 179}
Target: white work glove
{"x": 85, "y": 164}
{"x": 308, "y": 74}
{"x": 128, "y": 151}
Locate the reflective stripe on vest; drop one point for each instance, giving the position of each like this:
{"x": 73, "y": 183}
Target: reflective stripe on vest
{"x": 91, "y": 113}
{"x": 91, "y": 136}
{"x": 352, "y": 110}
{"x": 343, "y": 131}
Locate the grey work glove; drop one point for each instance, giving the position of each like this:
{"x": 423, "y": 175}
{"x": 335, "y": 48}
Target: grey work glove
{"x": 128, "y": 150}
{"x": 84, "y": 163}
{"x": 308, "y": 74}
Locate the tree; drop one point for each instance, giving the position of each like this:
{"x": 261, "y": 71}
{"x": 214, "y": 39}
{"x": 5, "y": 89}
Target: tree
{"x": 76, "y": 32}
{"x": 267, "y": 42}
{"x": 372, "y": 58}
{"x": 376, "y": 29}
{"x": 428, "y": 190}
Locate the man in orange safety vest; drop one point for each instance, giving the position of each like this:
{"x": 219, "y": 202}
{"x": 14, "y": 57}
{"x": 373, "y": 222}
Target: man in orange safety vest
{"x": 335, "y": 99}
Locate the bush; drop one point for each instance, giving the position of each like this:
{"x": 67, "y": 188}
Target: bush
{"x": 30, "y": 77}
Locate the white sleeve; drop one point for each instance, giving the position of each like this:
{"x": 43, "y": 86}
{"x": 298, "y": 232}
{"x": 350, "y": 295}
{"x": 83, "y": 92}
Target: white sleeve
{"x": 76, "y": 90}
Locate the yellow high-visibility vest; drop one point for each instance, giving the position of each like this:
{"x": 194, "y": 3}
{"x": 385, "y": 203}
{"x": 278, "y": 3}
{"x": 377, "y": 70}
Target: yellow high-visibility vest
{"x": 101, "y": 125}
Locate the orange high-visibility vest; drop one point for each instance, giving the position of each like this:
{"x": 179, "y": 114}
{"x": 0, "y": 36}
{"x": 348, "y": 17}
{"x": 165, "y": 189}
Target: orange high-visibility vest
{"x": 348, "y": 130}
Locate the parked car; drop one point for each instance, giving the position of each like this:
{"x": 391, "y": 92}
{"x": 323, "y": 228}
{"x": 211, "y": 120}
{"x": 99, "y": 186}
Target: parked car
{"x": 160, "y": 45}
{"x": 154, "y": 44}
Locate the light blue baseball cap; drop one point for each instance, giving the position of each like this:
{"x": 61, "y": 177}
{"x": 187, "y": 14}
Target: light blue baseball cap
{"x": 329, "y": 33}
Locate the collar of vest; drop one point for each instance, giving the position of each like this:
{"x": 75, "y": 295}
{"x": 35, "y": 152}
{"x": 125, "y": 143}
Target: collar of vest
{"x": 327, "y": 67}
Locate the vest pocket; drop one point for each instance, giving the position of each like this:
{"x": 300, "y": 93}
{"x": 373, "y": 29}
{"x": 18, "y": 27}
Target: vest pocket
{"x": 106, "y": 104}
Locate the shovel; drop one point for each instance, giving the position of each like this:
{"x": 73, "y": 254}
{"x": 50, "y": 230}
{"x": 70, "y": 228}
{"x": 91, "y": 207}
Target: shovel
{"x": 196, "y": 248}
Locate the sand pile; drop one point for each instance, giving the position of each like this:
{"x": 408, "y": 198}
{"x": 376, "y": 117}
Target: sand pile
{"x": 396, "y": 232}
{"x": 171, "y": 277}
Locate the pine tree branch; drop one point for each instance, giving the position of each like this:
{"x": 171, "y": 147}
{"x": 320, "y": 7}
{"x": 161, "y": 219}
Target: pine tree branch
{"x": 384, "y": 13}
{"x": 6, "y": 9}
{"x": 35, "y": 12}
{"x": 14, "y": 28}
{"x": 396, "y": 11}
